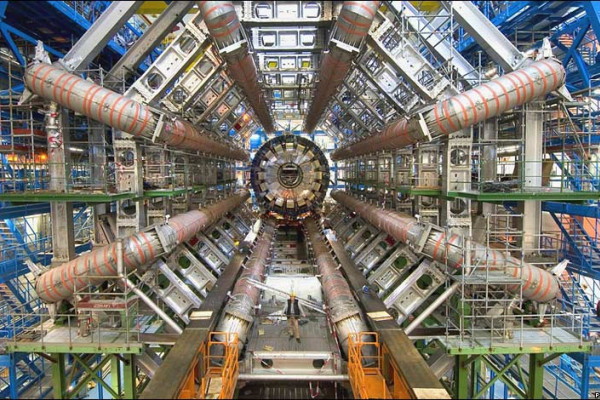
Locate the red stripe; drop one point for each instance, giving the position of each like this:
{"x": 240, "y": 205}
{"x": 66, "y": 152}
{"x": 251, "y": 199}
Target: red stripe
{"x": 139, "y": 249}
{"x": 35, "y": 74}
{"x": 62, "y": 279}
{"x": 121, "y": 113}
{"x": 464, "y": 111}
{"x": 64, "y": 86}
{"x": 135, "y": 116}
{"x": 555, "y": 82}
{"x": 531, "y": 84}
{"x": 507, "y": 99}
{"x": 361, "y": 5}
{"x": 517, "y": 87}
{"x": 101, "y": 104}
{"x": 42, "y": 81}
{"x": 437, "y": 245}
{"x": 90, "y": 100}
{"x": 540, "y": 283}
{"x": 472, "y": 104}
{"x": 523, "y": 85}
{"x": 447, "y": 115}
{"x": 150, "y": 247}
{"x": 528, "y": 283}
{"x": 485, "y": 104}
{"x": 77, "y": 80}
{"x": 495, "y": 97}
{"x": 112, "y": 110}
{"x": 56, "y": 85}
{"x": 543, "y": 76}
{"x": 146, "y": 119}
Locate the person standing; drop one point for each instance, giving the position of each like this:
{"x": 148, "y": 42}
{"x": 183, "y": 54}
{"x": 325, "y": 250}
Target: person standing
{"x": 292, "y": 312}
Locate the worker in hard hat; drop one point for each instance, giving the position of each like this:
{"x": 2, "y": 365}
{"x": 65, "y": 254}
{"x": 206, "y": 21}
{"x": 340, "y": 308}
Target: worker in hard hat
{"x": 293, "y": 312}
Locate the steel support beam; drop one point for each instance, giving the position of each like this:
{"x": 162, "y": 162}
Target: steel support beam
{"x": 532, "y": 131}
{"x": 151, "y": 38}
{"x": 61, "y": 213}
{"x": 139, "y": 249}
{"x": 99, "y": 34}
{"x": 416, "y": 374}
{"x": 447, "y": 248}
{"x": 464, "y": 110}
{"x": 486, "y": 34}
{"x": 175, "y": 368}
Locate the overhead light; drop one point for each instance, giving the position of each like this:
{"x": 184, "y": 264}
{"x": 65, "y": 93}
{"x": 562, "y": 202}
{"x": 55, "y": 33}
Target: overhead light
{"x": 76, "y": 150}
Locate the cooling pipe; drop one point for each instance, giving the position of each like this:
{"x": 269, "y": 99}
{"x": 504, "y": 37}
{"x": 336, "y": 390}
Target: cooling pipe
{"x": 138, "y": 249}
{"x": 352, "y": 26}
{"x": 239, "y": 311}
{"x": 225, "y": 28}
{"x": 464, "y": 110}
{"x": 538, "y": 284}
{"x": 120, "y": 112}
{"x": 344, "y": 312}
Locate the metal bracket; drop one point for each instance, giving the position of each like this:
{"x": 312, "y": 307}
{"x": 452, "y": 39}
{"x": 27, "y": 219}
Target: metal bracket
{"x": 159, "y": 128}
{"x": 418, "y": 247}
{"x": 422, "y": 127}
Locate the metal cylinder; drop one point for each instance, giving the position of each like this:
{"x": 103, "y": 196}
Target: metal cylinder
{"x": 225, "y": 28}
{"x": 120, "y": 112}
{"x": 352, "y": 26}
{"x": 238, "y": 314}
{"x": 464, "y": 110}
{"x": 343, "y": 309}
{"x": 138, "y": 249}
{"x": 537, "y": 284}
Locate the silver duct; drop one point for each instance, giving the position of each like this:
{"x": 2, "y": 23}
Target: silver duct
{"x": 225, "y": 28}
{"x": 430, "y": 240}
{"x": 352, "y": 26}
{"x": 463, "y": 110}
{"x": 122, "y": 113}
{"x": 138, "y": 249}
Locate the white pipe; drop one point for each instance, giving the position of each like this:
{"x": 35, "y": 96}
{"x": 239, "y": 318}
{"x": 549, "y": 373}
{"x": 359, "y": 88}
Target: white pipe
{"x": 432, "y": 307}
{"x": 152, "y": 305}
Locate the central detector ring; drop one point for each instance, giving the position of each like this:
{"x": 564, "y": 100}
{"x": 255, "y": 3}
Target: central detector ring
{"x": 290, "y": 175}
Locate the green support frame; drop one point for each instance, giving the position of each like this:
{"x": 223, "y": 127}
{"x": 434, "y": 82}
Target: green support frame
{"x": 122, "y": 369}
{"x": 467, "y": 374}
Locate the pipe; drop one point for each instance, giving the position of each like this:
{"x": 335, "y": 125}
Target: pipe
{"x": 344, "y": 311}
{"x": 464, "y": 110}
{"x": 239, "y": 311}
{"x": 138, "y": 249}
{"x": 352, "y": 26}
{"x": 278, "y": 377}
{"x": 432, "y": 307}
{"x": 152, "y": 305}
{"x": 538, "y": 284}
{"x": 120, "y": 112}
{"x": 225, "y": 28}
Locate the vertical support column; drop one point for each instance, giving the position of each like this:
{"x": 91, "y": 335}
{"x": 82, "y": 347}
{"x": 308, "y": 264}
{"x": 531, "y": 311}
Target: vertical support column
{"x": 12, "y": 376}
{"x": 461, "y": 378}
{"x": 61, "y": 213}
{"x": 59, "y": 384}
{"x": 456, "y": 169}
{"x": 488, "y": 172}
{"x": 535, "y": 385}
{"x": 131, "y": 217}
{"x": 532, "y": 125}
{"x": 97, "y": 146}
{"x": 115, "y": 373}
{"x": 129, "y": 377}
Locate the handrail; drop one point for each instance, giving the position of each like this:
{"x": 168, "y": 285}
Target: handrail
{"x": 221, "y": 361}
{"x": 362, "y": 365}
